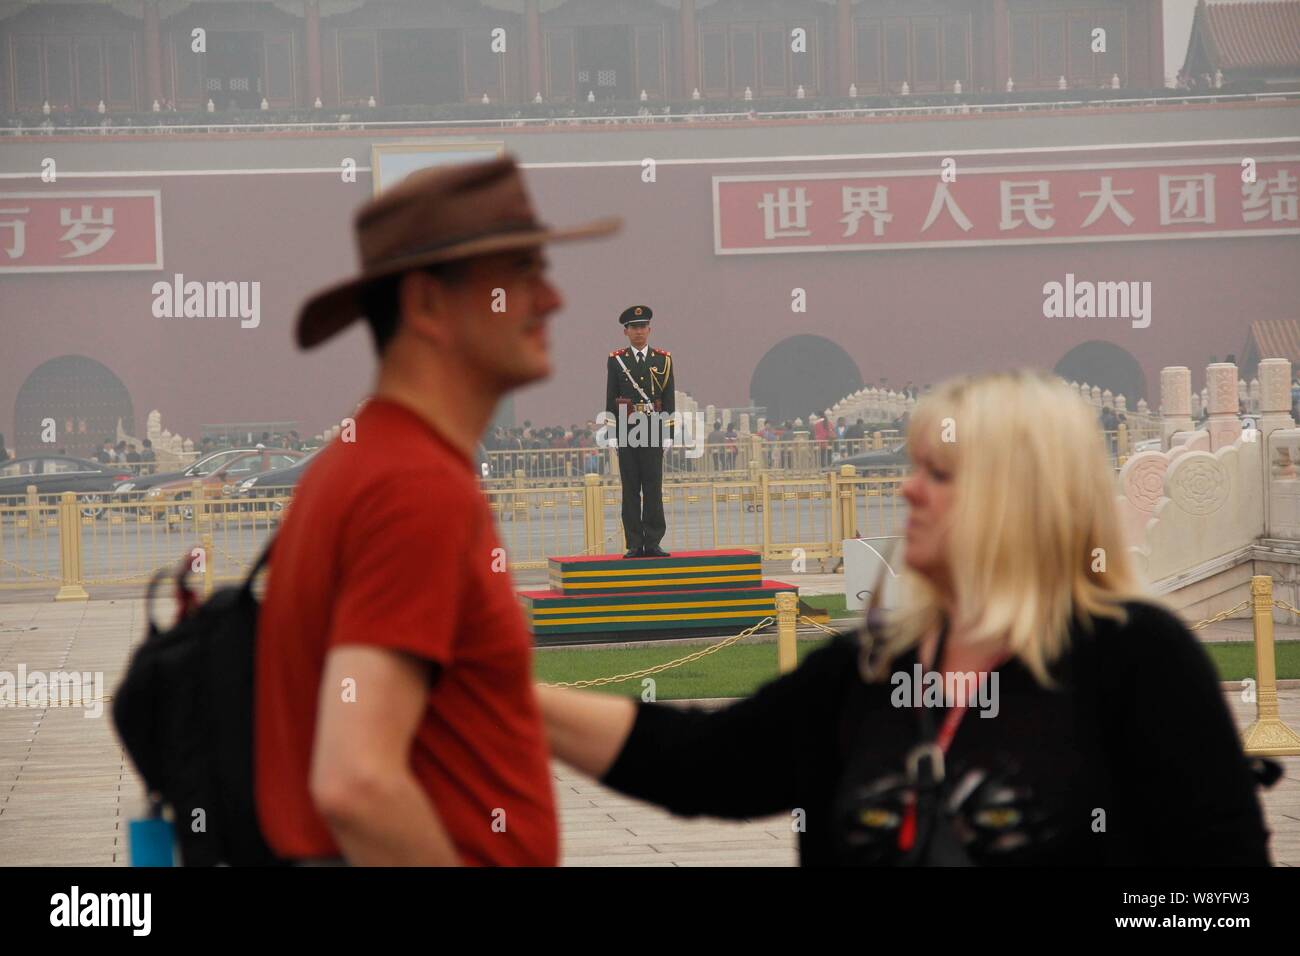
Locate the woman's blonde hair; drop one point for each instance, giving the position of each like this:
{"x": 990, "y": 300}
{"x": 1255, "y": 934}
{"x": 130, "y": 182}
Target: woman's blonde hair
{"x": 1033, "y": 537}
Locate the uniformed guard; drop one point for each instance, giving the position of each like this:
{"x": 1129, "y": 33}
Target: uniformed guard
{"x": 639, "y": 394}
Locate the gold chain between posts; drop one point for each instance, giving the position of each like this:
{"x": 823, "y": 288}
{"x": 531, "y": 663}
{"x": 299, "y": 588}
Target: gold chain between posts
{"x": 818, "y": 624}
{"x": 30, "y": 572}
{"x": 228, "y": 556}
{"x": 76, "y": 703}
{"x": 1192, "y": 627}
{"x": 727, "y": 642}
{"x": 1219, "y": 617}
{"x": 660, "y": 668}
{"x": 137, "y": 577}
{"x": 1286, "y": 607}
{"x": 644, "y": 672}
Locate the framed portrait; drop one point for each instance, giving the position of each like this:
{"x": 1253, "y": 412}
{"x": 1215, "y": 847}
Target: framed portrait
{"x": 392, "y": 162}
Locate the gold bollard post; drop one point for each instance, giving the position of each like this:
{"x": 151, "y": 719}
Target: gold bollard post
{"x": 196, "y": 498}
{"x": 208, "y": 557}
{"x": 802, "y": 452}
{"x": 836, "y": 522}
{"x": 1267, "y": 736}
{"x": 787, "y": 606}
{"x": 70, "y": 550}
{"x": 848, "y": 504}
{"x": 33, "y": 512}
{"x": 517, "y": 502}
{"x": 593, "y": 505}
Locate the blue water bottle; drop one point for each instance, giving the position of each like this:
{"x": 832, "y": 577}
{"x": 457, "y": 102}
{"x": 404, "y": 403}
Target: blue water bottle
{"x": 152, "y": 841}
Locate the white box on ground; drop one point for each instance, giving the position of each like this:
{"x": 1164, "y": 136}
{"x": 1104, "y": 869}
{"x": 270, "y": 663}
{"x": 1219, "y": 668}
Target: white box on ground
{"x": 871, "y": 563}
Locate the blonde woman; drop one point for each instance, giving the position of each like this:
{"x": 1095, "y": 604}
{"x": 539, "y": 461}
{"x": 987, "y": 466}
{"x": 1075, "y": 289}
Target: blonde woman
{"x": 1025, "y": 705}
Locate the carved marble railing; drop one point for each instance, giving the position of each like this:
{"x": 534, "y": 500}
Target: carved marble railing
{"x": 1203, "y": 497}
{"x": 872, "y": 405}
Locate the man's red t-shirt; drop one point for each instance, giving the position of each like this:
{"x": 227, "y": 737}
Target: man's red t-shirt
{"x": 389, "y": 543}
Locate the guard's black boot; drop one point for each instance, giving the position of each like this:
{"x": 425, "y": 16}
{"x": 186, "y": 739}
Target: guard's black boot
{"x": 654, "y": 551}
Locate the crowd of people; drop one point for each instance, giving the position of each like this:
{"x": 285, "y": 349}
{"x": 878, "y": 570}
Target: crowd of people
{"x": 144, "y": 457}
{"x": 576, "y": 445}
{"x": 291, "y": 440}
{"x": 124, "y": 453}
{"x": 829, "y": 441}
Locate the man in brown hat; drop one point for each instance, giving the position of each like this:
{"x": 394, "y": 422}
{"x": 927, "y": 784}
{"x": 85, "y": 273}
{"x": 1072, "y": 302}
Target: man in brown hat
{"x": 396, "y": 721}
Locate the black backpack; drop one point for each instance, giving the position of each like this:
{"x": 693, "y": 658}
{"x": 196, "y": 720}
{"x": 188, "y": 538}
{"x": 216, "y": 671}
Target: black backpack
{"x": 184, "y": 712}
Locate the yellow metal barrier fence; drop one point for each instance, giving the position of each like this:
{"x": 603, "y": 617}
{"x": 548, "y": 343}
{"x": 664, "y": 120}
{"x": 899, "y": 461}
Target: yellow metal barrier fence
{"x": 73, "y": 541}
{"x": 77, "y": 540}
{"x": 534, "y": 523}
{"x": 800, "y": 454}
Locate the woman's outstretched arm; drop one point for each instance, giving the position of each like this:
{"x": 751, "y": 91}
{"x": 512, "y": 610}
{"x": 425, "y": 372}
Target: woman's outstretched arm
{"x": 755, "y": 757}
{"x": 586, "y": 730}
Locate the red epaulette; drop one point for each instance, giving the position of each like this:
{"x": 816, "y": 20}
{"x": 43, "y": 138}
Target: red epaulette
{"x": 662, "y": 351}
{"x": 615, "y": 353}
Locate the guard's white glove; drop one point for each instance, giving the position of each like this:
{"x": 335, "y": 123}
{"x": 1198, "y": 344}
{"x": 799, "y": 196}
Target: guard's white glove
{"x": 667, "y": 443}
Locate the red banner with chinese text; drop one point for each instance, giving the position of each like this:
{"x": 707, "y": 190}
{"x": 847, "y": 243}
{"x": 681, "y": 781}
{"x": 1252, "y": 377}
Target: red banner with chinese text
{"x": 984, "y": 205}
{"x": 93, "y": 231}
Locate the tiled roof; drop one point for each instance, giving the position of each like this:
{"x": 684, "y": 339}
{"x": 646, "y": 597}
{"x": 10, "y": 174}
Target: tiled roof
{"x": 1259, "y": 35}
{"x": 1277, "y": 338}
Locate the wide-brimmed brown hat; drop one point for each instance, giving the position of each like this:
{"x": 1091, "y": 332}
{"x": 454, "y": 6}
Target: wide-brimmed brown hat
{"x": 436, "y": 215}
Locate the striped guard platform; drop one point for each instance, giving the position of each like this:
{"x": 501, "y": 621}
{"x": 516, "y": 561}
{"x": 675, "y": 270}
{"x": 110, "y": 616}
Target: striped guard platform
{"x": 610, "y": 598}
{"x": 630, "y": 616}
{"x": 687, "y": 570}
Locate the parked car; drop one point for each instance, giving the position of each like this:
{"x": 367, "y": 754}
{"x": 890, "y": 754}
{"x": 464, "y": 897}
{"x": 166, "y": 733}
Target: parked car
{"x": 222, "y": 482}
{"x": 204, "y": 466}
{"x": 275, "y": 484}
{"x": 54, "y": 474}
{"x": 877, "y": 461}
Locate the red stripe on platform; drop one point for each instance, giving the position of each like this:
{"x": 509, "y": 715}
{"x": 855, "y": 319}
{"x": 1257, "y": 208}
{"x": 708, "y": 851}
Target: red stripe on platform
{"x": 588, "y": 558}
{"x": 764, "y": 586}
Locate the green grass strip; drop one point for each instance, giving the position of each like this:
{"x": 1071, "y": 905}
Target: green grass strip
{"x": 739, "y": 670}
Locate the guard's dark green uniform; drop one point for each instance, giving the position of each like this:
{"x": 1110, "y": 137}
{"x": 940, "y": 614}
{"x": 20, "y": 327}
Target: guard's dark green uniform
{"x": 641, "y": 468}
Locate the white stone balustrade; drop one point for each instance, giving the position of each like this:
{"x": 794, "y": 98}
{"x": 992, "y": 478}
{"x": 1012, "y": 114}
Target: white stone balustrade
{"x": 1224, "y": 426}
{"x": 1274, "y": 396}
{"x": 1175, "y": 403}
{"x": 1188, "y": 508}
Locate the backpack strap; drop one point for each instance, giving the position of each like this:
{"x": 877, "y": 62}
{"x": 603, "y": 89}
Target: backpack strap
{"x": 185, "y": 596}
{"x": 158, "y": 577}
{"x": 259, "y": 564}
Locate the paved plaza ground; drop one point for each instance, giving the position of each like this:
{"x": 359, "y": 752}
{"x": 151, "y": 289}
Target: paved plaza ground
{"x": 67, "y": 789}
